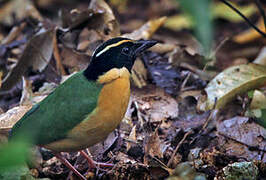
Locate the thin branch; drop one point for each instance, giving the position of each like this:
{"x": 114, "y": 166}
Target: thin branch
{"x": 244, "y": 17}
{"x": 177, "y": 147}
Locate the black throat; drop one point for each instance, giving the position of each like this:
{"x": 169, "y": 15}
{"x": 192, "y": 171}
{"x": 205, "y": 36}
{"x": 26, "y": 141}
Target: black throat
{"x": 91, "y": 73}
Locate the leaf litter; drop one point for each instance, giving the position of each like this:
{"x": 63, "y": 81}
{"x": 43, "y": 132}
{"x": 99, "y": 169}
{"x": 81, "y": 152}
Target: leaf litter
{"x": 164, "y": 134}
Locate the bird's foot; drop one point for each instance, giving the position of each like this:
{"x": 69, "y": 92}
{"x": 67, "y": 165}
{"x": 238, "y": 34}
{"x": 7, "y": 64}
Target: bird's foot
{"x": 94, "y": 164}
{"x": 72, "y": 168}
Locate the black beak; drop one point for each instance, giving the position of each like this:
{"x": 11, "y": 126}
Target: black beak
{"x": 142, "y": 45}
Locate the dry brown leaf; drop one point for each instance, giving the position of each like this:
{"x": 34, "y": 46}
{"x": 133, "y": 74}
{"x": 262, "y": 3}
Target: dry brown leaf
{"x": 108, "y": 27}
{"x": 153, "y": 145}
{"x": 146, "y": 30}
{"x": 154, "y": 104}
{"x": 132, "y": 138}
{"x": 99, "y": 149}
{"x": 236, "y": 149}
{"x": 125, "y": 158}
{"x": 13, "y": 34}
{"x": 243, "y": 131}
{"x": 75, "y": 61}
{"x": 162, "y": 48}
{"x": 139, "y": 74}
{"x": 27, "y": 93}
{"x": 37, "y": 54}
{"x": 19, "y": 9}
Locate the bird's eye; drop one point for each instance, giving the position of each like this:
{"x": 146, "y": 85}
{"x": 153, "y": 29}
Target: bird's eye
{"x": 125, "y": 50}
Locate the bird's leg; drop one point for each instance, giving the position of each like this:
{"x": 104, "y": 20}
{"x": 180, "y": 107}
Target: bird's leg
{"x": 92, "y": 163}
{"x": 66, "y": 163}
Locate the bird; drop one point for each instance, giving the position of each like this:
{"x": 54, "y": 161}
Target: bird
{"x": 88, "y": 106}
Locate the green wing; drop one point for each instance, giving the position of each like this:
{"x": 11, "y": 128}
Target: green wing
{"x": 51, "y": 119}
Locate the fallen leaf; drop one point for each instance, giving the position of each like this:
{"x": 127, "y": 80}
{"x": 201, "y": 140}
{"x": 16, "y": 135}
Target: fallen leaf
{"x": 179, "y": 22}
{"x": 125, "y": 158}
{"x": 132, "y": 138}
{"x": 139, "y": 74}
{"x": 100, "y": 150}
{"x": 19, "y": 9}
{"x": 37, "y": 54}
{"x": 153, "y": 145}
{"x": 238, "y": 150}
{"x": 232, "y": 81}
{"x": 258, "y": 101}
{"x": 8, "y": 119}
{"x": 75, "y": 61}
{"x": 155, "y": 104}
{"x": 109, "y": 27}
{"x": 261, "y": 59}
{"x": 26, "y": 93}
{"x": 146, "y": 30}
{"x": 162, "y": 73}
{"x": 243, "y": 131}
{"x": 14, "y": 33}
{"x": 162, "y": 48}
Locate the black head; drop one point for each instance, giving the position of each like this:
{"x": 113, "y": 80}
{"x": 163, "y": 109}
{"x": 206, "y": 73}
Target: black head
{"x": 115, "y": 53}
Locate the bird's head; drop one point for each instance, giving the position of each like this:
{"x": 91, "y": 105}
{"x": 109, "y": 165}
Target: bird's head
{"x": 116, "y": 53}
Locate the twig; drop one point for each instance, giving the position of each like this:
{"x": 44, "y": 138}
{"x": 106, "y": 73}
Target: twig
{"x": 185, "y": 82}
{"x": 212, "y": 116}
{"x": 177, "y": 147}
{"x": 244, "y": 17}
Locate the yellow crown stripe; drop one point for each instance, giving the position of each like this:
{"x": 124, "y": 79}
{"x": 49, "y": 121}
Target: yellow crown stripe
{"x": 113, "y": 45}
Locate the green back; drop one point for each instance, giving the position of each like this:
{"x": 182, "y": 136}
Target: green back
{"x": 58, "y": 113}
